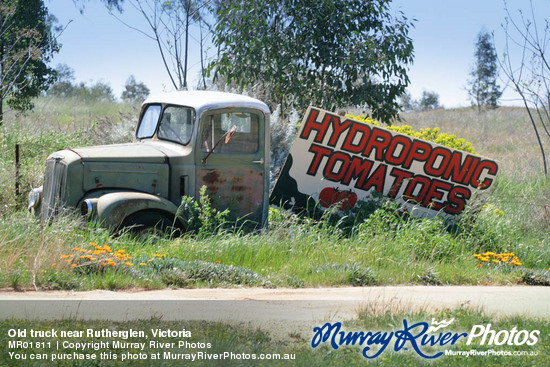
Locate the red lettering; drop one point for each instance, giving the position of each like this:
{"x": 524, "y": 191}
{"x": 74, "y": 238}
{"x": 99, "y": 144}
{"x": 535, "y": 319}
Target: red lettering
{"x": 420, "y": 151}
{"x": 338, "y": 128}
{"x": 379, "y": 140}
{"x": 491, "y": 168}
{"x": 377, "y": 179}
{"x": 358, "y": 168}
{"x": 436, "y": 153}
{"x": 455, "y": 171}
{"x": 362, "y": 129}
{"x": 471, "y": 170}
{"x": 435, "y": 194}
{"x": 457, "y": 200}
{"x": 405, "y": 144}
{"x": 329, "y": 172}
{"x": 400, "y": 176}
{"x": 423, "y": 183}
{"x": 312, "y": 124}
{"x": 319, "y": 152}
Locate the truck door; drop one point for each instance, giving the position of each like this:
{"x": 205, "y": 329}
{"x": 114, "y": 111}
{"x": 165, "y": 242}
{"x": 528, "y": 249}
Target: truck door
{"x": 231, "y": 162}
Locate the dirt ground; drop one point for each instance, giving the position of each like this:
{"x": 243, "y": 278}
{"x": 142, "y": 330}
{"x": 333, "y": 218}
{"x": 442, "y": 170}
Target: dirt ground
{"x": 281, "y": 311}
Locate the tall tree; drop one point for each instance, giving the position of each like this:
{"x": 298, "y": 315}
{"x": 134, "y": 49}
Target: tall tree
{"x": 27, "y": 44}
{"x": 134, "y": 91}
{"x": 328, "y": 53}
{"x": 429, "y": 101}
{"x": 484, "y": 90}
{"x": 526, "y": 64}
{"x": 169, "y": 25}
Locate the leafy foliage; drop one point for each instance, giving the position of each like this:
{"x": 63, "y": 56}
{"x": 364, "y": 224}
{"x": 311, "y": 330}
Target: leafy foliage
{"x": 329, "y": 53}
{"x": 134, "y": 91}
{"x": 184, "y": 273}
{"x": 428, "y": 134}
{"x": 200, "y": 216}
{"x": 484, "y": 91}
{"x": 65, "y": 87}
{"x": 27, "y": 44}
{"x": 428, "y": 101}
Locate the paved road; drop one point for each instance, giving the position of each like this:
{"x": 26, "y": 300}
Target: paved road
{"x": 279, "y": 310}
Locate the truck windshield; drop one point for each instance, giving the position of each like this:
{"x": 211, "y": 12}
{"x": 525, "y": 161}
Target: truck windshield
{"x": 149, "y": 122}
{"x": 176, "y": 124}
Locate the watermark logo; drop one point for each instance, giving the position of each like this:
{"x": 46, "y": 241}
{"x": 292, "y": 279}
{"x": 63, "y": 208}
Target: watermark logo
{"x": 414, "y": 336}
{"x": 439, "y": 325}
{"x": 417, "y": 337}
{"x": 502, "y": 337}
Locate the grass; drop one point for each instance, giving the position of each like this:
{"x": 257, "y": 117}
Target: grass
{"x": 240, "y": 339}
{"x": 384, "y": 249}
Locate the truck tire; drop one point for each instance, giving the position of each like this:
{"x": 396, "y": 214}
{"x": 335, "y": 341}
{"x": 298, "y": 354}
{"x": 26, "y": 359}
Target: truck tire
{"x": 146, "y": 223}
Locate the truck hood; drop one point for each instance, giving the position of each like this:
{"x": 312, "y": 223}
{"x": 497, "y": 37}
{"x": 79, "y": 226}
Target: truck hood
{"x": 132, "y": 152}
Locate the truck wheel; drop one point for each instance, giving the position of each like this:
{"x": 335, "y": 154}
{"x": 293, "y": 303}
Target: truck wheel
{"x": 144, "y": 224}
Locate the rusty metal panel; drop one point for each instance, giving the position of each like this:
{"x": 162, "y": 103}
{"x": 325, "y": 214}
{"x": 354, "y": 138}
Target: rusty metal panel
{"x": 241, "y": 190}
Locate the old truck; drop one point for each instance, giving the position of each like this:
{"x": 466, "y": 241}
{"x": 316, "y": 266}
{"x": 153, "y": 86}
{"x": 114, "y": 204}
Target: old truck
{"x": 187, "y": 140}
{"x": 183, "y": 140}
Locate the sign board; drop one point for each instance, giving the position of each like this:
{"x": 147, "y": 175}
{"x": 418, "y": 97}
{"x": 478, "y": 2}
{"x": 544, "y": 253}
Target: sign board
{"x": 338, "y": 160}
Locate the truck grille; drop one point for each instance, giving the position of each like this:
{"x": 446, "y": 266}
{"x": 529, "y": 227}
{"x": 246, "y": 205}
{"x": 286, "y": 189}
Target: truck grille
{"x": 53, "y": 189}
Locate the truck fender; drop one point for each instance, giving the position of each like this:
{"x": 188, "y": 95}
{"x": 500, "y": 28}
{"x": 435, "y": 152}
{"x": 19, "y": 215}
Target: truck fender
{"x": 114, "y": 207}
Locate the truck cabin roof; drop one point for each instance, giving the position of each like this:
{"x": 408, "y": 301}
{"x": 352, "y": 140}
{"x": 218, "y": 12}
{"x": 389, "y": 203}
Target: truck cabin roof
{"x": 206, "y": 100}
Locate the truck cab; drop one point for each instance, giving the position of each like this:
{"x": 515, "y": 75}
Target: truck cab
{"x": 183, "y": 140}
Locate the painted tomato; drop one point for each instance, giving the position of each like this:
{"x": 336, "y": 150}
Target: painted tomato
{"x": 330, "y": 196}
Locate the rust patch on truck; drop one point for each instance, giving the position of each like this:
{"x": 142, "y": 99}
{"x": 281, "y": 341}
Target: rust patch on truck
{"x": 238, "y": 189}
{"x": 212, "y": 177}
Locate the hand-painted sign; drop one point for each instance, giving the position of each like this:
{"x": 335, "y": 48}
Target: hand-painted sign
{"x": 337, "y": 160}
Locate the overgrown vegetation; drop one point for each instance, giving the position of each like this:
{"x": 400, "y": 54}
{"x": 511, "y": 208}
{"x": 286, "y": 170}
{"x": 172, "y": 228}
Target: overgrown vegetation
{"x": 375, "y": 246}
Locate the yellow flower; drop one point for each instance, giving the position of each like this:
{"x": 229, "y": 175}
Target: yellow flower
{"x": 73, "y": 265}
{"x": 129, "y": 263}
{"x": 142, "y": 264}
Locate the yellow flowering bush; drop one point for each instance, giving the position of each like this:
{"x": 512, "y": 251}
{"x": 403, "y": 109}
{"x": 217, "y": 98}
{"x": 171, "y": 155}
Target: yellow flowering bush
{"x": 101, "y": 256}
{"x": 428, "y": 134}
{"x": 494, "y": 210}
{"x": 503, "y": 259}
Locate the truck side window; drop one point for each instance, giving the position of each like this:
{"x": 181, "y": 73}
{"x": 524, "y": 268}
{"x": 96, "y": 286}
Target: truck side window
{"x": 149, "y": 122}
{"x": 176, "y": 124}
{"x": 245, "y": 139}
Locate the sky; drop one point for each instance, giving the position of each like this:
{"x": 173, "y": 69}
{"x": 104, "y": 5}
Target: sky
{"x": 98, "y": 47}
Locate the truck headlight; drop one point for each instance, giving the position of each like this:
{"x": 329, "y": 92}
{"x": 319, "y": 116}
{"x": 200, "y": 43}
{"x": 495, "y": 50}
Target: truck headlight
{"x": 87, "y": 207}
{"x": 34, "y": 198}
